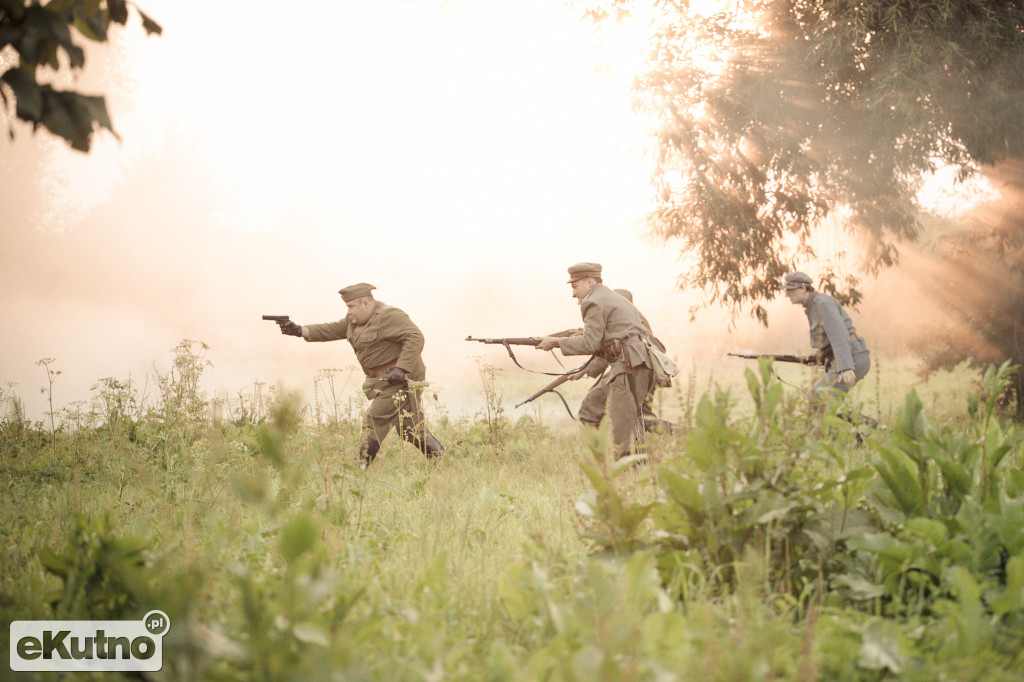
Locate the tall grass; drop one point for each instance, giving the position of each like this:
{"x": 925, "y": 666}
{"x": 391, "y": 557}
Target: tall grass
{"x": 524, "y": 553}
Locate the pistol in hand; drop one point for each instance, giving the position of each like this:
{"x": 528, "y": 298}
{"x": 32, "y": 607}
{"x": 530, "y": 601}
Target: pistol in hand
{"x": 287, "y": 327}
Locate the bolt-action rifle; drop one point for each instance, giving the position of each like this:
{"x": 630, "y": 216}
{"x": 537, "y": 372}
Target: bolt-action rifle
{"x": 525, "y": 341}
{"x": 800, "y": 359}
{"x": 550, "y": 388}
{"x": 512, "y": 341}
{"x": 560, "y": 379}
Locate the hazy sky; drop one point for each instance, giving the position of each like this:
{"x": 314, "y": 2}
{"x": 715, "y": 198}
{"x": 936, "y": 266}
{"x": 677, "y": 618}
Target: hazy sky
{"x": 459, "y": 155}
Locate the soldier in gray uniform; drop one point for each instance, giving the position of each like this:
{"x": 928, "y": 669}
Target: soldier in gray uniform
{"x": 389, "y": 349}
{"x": 843, "y": 351}
{"x": 612, "y": 331}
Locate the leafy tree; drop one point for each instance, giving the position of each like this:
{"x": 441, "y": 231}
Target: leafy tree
{"x": 778, "y": 115}
{"x": 36, "y": 42}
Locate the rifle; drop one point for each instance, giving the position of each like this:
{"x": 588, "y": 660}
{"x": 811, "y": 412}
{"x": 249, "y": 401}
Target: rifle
{"x": 800, "y": 359}
{"x": 527, "y": 341}
{"x": 280, "y": 319}
{"x": 515, "y": 341}
{"x": 550, "y": 388}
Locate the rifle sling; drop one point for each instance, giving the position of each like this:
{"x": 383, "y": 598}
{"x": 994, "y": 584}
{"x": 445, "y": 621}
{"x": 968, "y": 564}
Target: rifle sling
{"x": 535, "y": 371}
{"x": 564, "y": 402}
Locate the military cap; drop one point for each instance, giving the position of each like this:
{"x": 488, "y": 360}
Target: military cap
{"x": 355, "y": 291}
{"x": 795, "y": 280}
{"x": 581, "y": 270}
{"x": 625, "y": 293}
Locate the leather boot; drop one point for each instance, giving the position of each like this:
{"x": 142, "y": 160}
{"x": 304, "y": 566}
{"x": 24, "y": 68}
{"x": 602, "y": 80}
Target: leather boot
{"x": 430, "y": 446}
{"x": 368, "y": 449}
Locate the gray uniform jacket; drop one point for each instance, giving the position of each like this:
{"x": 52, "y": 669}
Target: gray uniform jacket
{"x": 831, "y": 326}
{"x": 607, "y": 316}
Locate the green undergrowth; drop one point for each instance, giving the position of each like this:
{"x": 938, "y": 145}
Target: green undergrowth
{"x": 763, "y": 543}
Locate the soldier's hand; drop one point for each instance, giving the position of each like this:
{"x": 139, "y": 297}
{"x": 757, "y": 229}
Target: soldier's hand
{"x": 575, "y": 376}
{"x": 397, "y": 376}
{"x": 847, "y": 377}
{"x": 289, "y": 328}
{"x": 548, "y": 343}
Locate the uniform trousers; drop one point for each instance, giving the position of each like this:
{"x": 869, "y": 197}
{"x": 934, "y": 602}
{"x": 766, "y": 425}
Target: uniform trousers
{"x": 620, "y": 396}
{"x": 393, "y": 406}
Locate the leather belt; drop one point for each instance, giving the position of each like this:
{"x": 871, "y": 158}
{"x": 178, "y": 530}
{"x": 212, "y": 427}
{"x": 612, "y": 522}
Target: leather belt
{"x": 828, "y": 355}
{"x": 614, "y": 349}
{"x": 383, "y": 368}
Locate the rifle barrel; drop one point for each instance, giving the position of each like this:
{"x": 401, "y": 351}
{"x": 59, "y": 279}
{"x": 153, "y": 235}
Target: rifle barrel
{"x": 514, "y": 341}
{"x": 800, "y": 359}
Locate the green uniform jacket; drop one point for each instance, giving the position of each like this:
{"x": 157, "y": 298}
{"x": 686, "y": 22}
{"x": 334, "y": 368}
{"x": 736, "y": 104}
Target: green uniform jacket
{"x": 389, "y": 336}
{"x": 607, "y": 316}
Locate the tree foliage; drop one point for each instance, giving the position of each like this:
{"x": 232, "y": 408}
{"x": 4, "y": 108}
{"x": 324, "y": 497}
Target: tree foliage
{"x": 39, "y": 40}
{"x": 776, "y": 115}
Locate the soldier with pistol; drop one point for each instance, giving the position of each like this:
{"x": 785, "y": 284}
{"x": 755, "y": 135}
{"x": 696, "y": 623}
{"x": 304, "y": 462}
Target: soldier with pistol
{"x": 389, "y": 348}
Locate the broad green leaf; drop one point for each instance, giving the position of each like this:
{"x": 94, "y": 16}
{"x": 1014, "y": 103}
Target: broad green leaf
{"x": 93, "y": 26}
{"x": 901, "y": 481}
{"x": 97, "y": 108}
{"x": 1012, "y": 598}
{"x": 859, "y": 588}
{"x": 1014, "y": 482}
{"x": 118, "y": 11}
{"x": 872, "y": 542}
{"x": 298, "y": 536}
{"x": 880, "y": 649}
{"x": 682, "y": 490}
{"x": 27, "y": 94}
{"x": 596, "y": 478}
{"x": 147, "y": 23}
{"x": 956, "y": 476}
{"x": 65, "y": 117}
{"x": 59, "y": 6}
{"x": 934, "y": 531}
{"x": 53, "y": 563}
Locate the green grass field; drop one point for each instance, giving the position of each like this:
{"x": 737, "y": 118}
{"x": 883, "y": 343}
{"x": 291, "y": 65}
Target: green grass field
{"x": 763, "y": 543}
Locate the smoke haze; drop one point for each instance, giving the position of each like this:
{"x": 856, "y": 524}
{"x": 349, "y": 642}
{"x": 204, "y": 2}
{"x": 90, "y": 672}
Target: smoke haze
{"x": 457, "y": 157}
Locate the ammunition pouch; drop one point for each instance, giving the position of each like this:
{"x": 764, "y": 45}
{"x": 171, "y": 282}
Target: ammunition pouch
{"x": 614, "y": 350}
{"x": 611, "y": 350}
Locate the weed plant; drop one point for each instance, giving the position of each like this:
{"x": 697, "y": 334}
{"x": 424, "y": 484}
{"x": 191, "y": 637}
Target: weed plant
{"x": 760, "y": 543}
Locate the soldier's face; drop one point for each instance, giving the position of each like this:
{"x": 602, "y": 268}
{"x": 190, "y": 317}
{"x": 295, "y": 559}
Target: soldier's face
{"x": 582, "y": 287}
{"x": 797, "y": 295}
{"x": 360, "y": 310}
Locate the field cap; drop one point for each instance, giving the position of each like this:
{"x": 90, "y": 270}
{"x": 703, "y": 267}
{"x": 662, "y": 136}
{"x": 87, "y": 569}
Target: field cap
{"x": 581, "y": 270}
{"x": 355, "y": 291}
{"x": 625, "y": 293}
{"x": 795, "y": 280}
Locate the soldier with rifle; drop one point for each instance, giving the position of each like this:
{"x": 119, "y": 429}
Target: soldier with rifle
{"x": 389, "y": 348}
{"x": 843, "y": 352}
{"x": 652, "y": 423}
{"x": 612, "y": 331}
